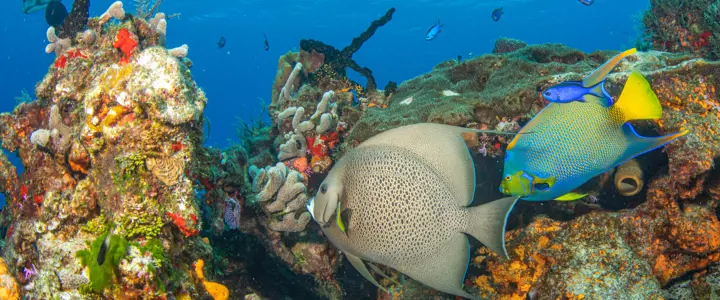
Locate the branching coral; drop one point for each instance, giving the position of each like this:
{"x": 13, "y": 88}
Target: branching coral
{"x": 290, "y": 194}
{"x": 339, "y": 60}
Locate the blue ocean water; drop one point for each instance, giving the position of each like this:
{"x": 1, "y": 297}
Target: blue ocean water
{"x": 238, "y": 77}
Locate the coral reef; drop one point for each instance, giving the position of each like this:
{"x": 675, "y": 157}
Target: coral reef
{"x": 120, "y": 200}
{"x": 601, "y": 254}
{"x": 109, "y": 150}
{"x": 641, "y": 249}
{"x": 683, "y": 26}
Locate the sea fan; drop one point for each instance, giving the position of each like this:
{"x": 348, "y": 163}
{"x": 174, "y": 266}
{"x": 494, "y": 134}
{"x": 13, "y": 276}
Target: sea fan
{"x": 232, "y": 213}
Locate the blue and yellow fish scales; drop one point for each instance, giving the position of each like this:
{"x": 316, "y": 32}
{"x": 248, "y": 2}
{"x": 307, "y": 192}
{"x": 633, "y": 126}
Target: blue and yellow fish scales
{"x": 573, "y": 142}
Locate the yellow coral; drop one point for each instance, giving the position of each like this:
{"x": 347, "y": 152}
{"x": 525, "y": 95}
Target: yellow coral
{"x": 8, "y": 285}
{"x": 216, "y": 290}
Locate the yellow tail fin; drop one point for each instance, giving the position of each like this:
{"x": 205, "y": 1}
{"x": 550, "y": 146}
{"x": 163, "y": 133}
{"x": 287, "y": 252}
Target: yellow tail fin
{"x": 637, "y": 100}
{"x": 600, "y": 73}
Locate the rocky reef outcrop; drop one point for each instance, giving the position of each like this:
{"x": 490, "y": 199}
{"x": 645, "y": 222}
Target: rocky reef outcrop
{"x": 107, "y": 204}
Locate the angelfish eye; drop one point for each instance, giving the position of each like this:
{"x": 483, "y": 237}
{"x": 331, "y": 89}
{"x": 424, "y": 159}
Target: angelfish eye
{"x": 323, "y": 188}
{"x": 508, "y": 178}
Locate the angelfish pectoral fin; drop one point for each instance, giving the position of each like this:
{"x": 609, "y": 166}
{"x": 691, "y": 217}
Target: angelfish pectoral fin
{"x": 339, "y": 222}
{"x": 360, "y": 267}
{"x": 342, "y": 218}
{"x": 570, "y": 197}
{"x": 376, "y": 269}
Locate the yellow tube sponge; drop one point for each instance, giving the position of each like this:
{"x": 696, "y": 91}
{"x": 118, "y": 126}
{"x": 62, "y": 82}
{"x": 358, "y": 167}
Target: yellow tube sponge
{"x": 629, "y": 178}
{"x": 8, "y": 285}
{"x": 216, "y": 290}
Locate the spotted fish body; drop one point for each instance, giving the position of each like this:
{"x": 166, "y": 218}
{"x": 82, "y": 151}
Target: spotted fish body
{"x": 576, "y": 141}
{"x": 407, "y": 191}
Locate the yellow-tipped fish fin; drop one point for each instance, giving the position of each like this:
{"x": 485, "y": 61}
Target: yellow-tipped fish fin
{"x": 513, "y": 142}
{"x": 637, "y": 100}
{"x": 570, "y": 197}
{"x": 600, "y": 73}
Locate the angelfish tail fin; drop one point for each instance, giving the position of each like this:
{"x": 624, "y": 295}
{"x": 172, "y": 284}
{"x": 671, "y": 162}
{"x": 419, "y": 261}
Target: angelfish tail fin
{"x": 487, "y": 223}
{"x": 637, "y": 100}
{"x": 640, "y": 144}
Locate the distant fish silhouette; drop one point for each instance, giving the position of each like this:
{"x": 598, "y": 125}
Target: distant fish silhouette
{"x": 55, "y": 13}
{"x": 267, "y": 45}
{"x": 33, "y": 6}
{"x": 587, "y": 2}
{"x": 434, "y": 31}
{"x": 221, "y": 42}
{"x": 498, "y": 12}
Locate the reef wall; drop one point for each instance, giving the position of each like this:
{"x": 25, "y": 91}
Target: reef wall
{"x": 107, "y": 204}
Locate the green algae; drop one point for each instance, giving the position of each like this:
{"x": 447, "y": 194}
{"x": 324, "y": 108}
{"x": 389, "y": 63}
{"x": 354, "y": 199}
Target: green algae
{"x": 102, "y": 276}
{"x": 145, "y": 225}
{"x": 130, "y": 172}
{"x": 97, "y": 225}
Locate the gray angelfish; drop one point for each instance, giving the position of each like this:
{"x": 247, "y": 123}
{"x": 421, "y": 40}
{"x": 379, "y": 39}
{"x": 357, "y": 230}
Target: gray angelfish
{"x": 402, "y": 199}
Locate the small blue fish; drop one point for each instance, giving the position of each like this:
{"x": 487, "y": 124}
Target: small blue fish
{"x": 434, "y": 31}
{"x": 496, "y": 14}
{"x": 592, "y": 85}
{"x": 587, "y": 2}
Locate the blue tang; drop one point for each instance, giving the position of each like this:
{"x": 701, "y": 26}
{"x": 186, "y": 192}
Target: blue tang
{"x": 593, "y": 84}
{"x": 434, "y": 31}
{"x": 569, "y": 143}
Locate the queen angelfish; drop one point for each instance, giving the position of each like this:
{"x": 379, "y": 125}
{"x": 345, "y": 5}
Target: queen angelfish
{"x": 402, "y": 199}
{"x": 569, "y": 143}
{"x": 592, "y": 85}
